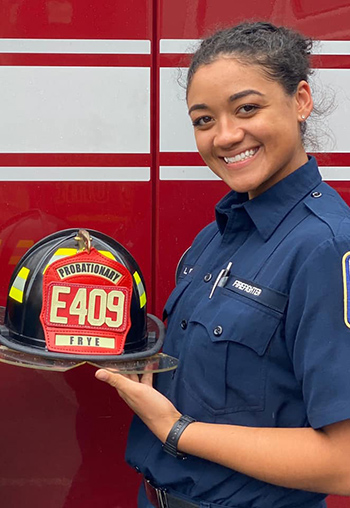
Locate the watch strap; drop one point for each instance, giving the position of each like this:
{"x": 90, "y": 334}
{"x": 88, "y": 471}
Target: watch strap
{"x": 170, "y": 445}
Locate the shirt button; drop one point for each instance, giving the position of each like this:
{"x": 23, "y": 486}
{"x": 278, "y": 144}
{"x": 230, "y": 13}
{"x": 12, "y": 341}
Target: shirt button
{"x": 316, "y": 194}
{"x": 217, "y": 331}
{"x": 207, "y": 277}
{"x": 183, "y": 324}
{"x": 137, "y": 469}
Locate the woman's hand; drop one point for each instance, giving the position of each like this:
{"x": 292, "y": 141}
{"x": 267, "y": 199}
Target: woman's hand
{"x": 155, "y": 410}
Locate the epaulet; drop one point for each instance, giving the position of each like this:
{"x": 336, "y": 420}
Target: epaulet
{"x": 328, "y": 206}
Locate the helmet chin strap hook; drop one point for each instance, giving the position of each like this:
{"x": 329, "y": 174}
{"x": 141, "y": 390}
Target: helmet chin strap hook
{"x": 84, "y": 240}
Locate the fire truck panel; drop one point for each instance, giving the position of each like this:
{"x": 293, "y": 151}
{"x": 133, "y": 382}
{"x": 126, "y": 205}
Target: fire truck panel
{"x": 94, "y": 133}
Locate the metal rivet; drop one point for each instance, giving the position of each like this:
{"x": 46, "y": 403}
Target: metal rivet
{"x": 183, "y": 324}
{"x": 217, "y": 331}
{"x": 207, "y": 277}
{"x": 316, "y": 194}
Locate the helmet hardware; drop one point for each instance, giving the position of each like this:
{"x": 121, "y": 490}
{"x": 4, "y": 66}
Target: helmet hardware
{"x": 83, "y": 239}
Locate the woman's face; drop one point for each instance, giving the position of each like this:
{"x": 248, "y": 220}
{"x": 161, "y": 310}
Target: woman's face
{"x": 247, "y": 128}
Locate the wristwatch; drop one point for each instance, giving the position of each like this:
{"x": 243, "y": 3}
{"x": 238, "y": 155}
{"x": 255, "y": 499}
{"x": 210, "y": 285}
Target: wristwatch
{"x": 170, "y": 445}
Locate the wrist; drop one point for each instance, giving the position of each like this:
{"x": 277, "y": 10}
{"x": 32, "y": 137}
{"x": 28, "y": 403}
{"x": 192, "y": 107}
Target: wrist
{"x": 171, "y": 443}
{"x": 170, "y": 422}
{"x": 162, "y": 426}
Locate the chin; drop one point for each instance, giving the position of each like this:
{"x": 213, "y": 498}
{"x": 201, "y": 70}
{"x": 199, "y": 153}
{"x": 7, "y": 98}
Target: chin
{"x": 241, "y": 187}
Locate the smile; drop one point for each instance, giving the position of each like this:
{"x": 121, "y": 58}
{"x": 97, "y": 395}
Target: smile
{"x": 241, "y": 156}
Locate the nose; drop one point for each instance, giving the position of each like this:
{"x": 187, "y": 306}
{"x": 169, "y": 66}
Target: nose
{"x": 228, "y": 133}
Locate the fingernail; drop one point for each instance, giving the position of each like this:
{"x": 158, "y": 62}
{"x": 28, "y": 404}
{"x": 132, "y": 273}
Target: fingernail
{"x": 102, "y": 375}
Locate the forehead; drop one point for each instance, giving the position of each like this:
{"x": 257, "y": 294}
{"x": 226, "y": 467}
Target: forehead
{"x": 226, "y": 76}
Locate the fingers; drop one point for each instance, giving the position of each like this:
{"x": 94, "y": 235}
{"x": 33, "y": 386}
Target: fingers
{"x": 147, "y": 378}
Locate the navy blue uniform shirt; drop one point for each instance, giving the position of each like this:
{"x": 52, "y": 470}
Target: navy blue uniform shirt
{"x": 269, "y": 349}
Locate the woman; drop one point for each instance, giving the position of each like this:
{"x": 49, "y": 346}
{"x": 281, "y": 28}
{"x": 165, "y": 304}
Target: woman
{"x": 259, "y": 318}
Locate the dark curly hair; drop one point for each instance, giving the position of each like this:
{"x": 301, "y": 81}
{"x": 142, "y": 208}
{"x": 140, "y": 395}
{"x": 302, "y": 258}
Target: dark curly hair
{"x": 282, "y": 53}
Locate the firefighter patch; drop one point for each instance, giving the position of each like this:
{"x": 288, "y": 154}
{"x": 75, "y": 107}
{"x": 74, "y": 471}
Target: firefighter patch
{"x": 86, "y": 304}
{"x": 346, "y": 285}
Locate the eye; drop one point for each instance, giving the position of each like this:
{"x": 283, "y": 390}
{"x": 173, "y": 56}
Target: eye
{"x": 247, "y": 109}
{"x": 202, "y": 121}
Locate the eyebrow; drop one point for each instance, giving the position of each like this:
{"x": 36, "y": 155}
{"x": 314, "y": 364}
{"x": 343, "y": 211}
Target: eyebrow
{"x": 197, "y": 106}
{"x": 244, "y": 93}
{"x": 232, "y": 98}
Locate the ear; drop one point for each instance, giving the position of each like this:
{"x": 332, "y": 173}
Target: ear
{"x": 304, "y": 102}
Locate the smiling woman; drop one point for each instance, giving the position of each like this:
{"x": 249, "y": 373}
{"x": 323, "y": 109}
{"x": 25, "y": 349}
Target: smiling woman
{"x": 250, "y": 138}
{"x": 259, "y": 316}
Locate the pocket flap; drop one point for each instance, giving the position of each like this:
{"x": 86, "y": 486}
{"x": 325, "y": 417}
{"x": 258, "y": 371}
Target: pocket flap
{"x": 230, "y": 317}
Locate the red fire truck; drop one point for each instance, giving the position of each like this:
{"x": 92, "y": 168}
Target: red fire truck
{"x": 94, "y": 134}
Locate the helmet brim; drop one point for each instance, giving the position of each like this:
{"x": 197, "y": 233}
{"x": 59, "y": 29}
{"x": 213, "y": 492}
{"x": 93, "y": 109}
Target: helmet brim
{"x": 155, "y": 339}
{"x": 159, "y": 362}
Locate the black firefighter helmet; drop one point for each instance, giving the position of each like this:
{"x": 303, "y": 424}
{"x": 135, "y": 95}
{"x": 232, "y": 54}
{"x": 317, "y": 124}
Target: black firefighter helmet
{"x": 78, "y": 295}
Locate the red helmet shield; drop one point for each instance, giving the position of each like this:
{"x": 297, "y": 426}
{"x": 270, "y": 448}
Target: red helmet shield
{"x": 86, "y": 304}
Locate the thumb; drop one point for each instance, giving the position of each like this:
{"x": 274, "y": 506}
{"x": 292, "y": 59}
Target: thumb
{"x": 108, "y": 377}
{"x": 102, "y": 375}
{"x": 114, "y": 379}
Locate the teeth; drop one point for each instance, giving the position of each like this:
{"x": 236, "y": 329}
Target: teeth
{"x": 241, "y": 156}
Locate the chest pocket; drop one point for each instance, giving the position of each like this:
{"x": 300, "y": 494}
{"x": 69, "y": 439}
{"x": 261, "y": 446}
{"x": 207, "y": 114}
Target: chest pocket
{"x": 226, "y": 352}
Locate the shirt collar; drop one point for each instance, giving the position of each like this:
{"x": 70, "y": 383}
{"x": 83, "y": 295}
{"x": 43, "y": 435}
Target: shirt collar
{"x": 269, "y": 208}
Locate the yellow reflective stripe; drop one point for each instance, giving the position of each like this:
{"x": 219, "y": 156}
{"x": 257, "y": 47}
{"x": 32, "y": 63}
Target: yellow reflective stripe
{"x": 137, "y": 278}
{"x": 59, "y": 254}
{"x": 62, "y": 252}
{"x": 141, "y": 289}
{"x": 16, "y": 291}
{"x": 143, "y": 300}
{"x": 107, "y": 254}
{"x": 16, "y": 294}
{"x": 23, "y": 273}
